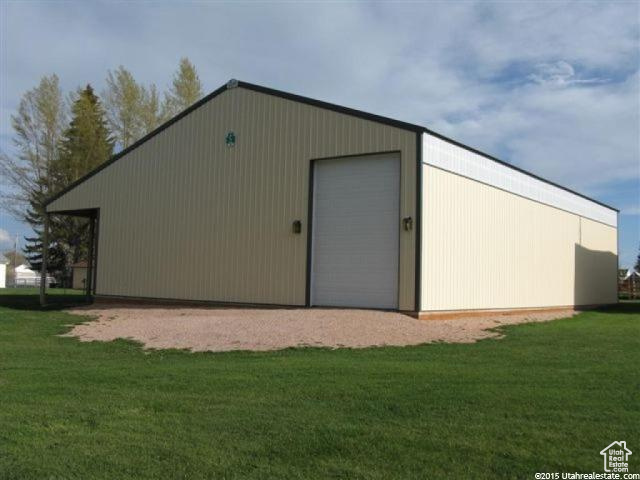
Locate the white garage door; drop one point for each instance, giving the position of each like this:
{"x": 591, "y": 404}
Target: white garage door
{"x": 355, "y": 232}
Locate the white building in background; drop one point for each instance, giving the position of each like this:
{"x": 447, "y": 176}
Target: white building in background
{"x": 3, "y": 271}
{"x": 25, "y": 277}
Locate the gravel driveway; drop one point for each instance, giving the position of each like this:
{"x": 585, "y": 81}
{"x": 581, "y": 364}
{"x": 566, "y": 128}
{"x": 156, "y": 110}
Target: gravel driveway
{"x": 225, "y": 329}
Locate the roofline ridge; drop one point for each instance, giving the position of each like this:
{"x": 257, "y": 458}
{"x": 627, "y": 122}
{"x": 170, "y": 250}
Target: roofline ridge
{"x": 234, "y": 83}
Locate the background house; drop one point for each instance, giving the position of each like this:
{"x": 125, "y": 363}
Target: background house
{"x": 25, "y": 277}
{"x": 79, "y": 275}
{"x": 628, "y": 284}
{"x": 3, "y": 271}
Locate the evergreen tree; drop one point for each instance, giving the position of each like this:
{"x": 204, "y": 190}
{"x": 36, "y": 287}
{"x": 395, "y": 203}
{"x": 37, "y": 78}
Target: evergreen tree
{"x": 56, "y": 258}
{"x": 185, "y": 90}
{"x": 637, "y": 266}
{"x": 85, "y": 145}
{"x": 86, "y": 142}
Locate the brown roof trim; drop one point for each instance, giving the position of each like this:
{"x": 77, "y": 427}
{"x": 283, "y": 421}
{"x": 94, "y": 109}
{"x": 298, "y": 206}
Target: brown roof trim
{"x": 316, "y": 103}
{"x": 332, "y": 106}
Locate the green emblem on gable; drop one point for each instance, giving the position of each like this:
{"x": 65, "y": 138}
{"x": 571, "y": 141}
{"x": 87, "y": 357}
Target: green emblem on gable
{"x": 230, "y": 139}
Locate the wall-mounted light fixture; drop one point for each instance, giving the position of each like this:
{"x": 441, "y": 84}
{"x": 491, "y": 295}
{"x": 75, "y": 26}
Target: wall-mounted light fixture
{"x": 407, "y": 223}
{"x": 297, "y": 226}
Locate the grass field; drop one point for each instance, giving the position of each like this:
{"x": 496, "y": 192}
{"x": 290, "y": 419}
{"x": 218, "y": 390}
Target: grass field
{"x": 546, "y": 398}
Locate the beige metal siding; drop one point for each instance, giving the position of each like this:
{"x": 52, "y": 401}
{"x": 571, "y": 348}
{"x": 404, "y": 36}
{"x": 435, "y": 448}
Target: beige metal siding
{"x": 484, "y": 248}
{"x": 183, "y": 216}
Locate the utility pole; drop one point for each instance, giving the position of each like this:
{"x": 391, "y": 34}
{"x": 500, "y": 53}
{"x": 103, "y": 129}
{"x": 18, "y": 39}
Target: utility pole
{"x": 43, "y": 268}
{"x": 15, "y": 260}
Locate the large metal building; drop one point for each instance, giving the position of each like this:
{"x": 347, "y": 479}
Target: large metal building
{"x": 257, "y": 196}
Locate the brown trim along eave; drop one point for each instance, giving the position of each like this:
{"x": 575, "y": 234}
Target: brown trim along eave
{"x": 332, "y": 107}
{"x": 248, "y": 86}
{"x": 135, "y": 145}
{"x": 317, "y": 103}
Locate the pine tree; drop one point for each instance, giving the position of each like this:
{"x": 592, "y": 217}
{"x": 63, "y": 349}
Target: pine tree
{"x": 85, "y": 145}
{"x": 56, "y": 258}
{"x": 637, "y": 266}
{"x": 186, "y": 89}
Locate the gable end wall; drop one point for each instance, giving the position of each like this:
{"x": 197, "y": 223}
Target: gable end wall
{"x": 183, "y": 216}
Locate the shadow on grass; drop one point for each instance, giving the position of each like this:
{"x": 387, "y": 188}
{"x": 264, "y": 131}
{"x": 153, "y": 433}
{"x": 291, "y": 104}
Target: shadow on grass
{"x": 625, "y": 307}
{"x": 31, "y": 301}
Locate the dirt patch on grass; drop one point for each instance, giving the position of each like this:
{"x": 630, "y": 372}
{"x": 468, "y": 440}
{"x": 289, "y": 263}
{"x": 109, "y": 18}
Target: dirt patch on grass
{"x": 226, "y": 329}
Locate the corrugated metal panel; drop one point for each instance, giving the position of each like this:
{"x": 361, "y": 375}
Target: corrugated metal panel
{"x": 485, "y": 248}
{"x": 454, "y": 159}
{"x": 183, "y": 216}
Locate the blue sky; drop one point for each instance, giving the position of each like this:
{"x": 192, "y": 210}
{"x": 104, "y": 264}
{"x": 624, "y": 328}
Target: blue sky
{"x": 552, "y": 87}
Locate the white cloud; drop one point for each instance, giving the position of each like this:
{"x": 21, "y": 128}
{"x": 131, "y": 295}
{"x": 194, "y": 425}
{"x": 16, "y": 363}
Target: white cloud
{"x": 5, "y": 238}
{"x": 559, "y": 73}
{"x": 549, "y": 86}
{"x": 631, "y": 210}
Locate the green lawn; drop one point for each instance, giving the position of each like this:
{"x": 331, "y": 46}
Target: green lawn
{"x": 548, "y": 397}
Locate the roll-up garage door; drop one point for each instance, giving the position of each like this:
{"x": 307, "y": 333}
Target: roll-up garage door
{"x": 355, "y": 231}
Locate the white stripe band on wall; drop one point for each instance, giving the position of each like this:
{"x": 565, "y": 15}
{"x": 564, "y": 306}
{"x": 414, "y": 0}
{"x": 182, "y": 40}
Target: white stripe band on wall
{"x": 449, "y": 157}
